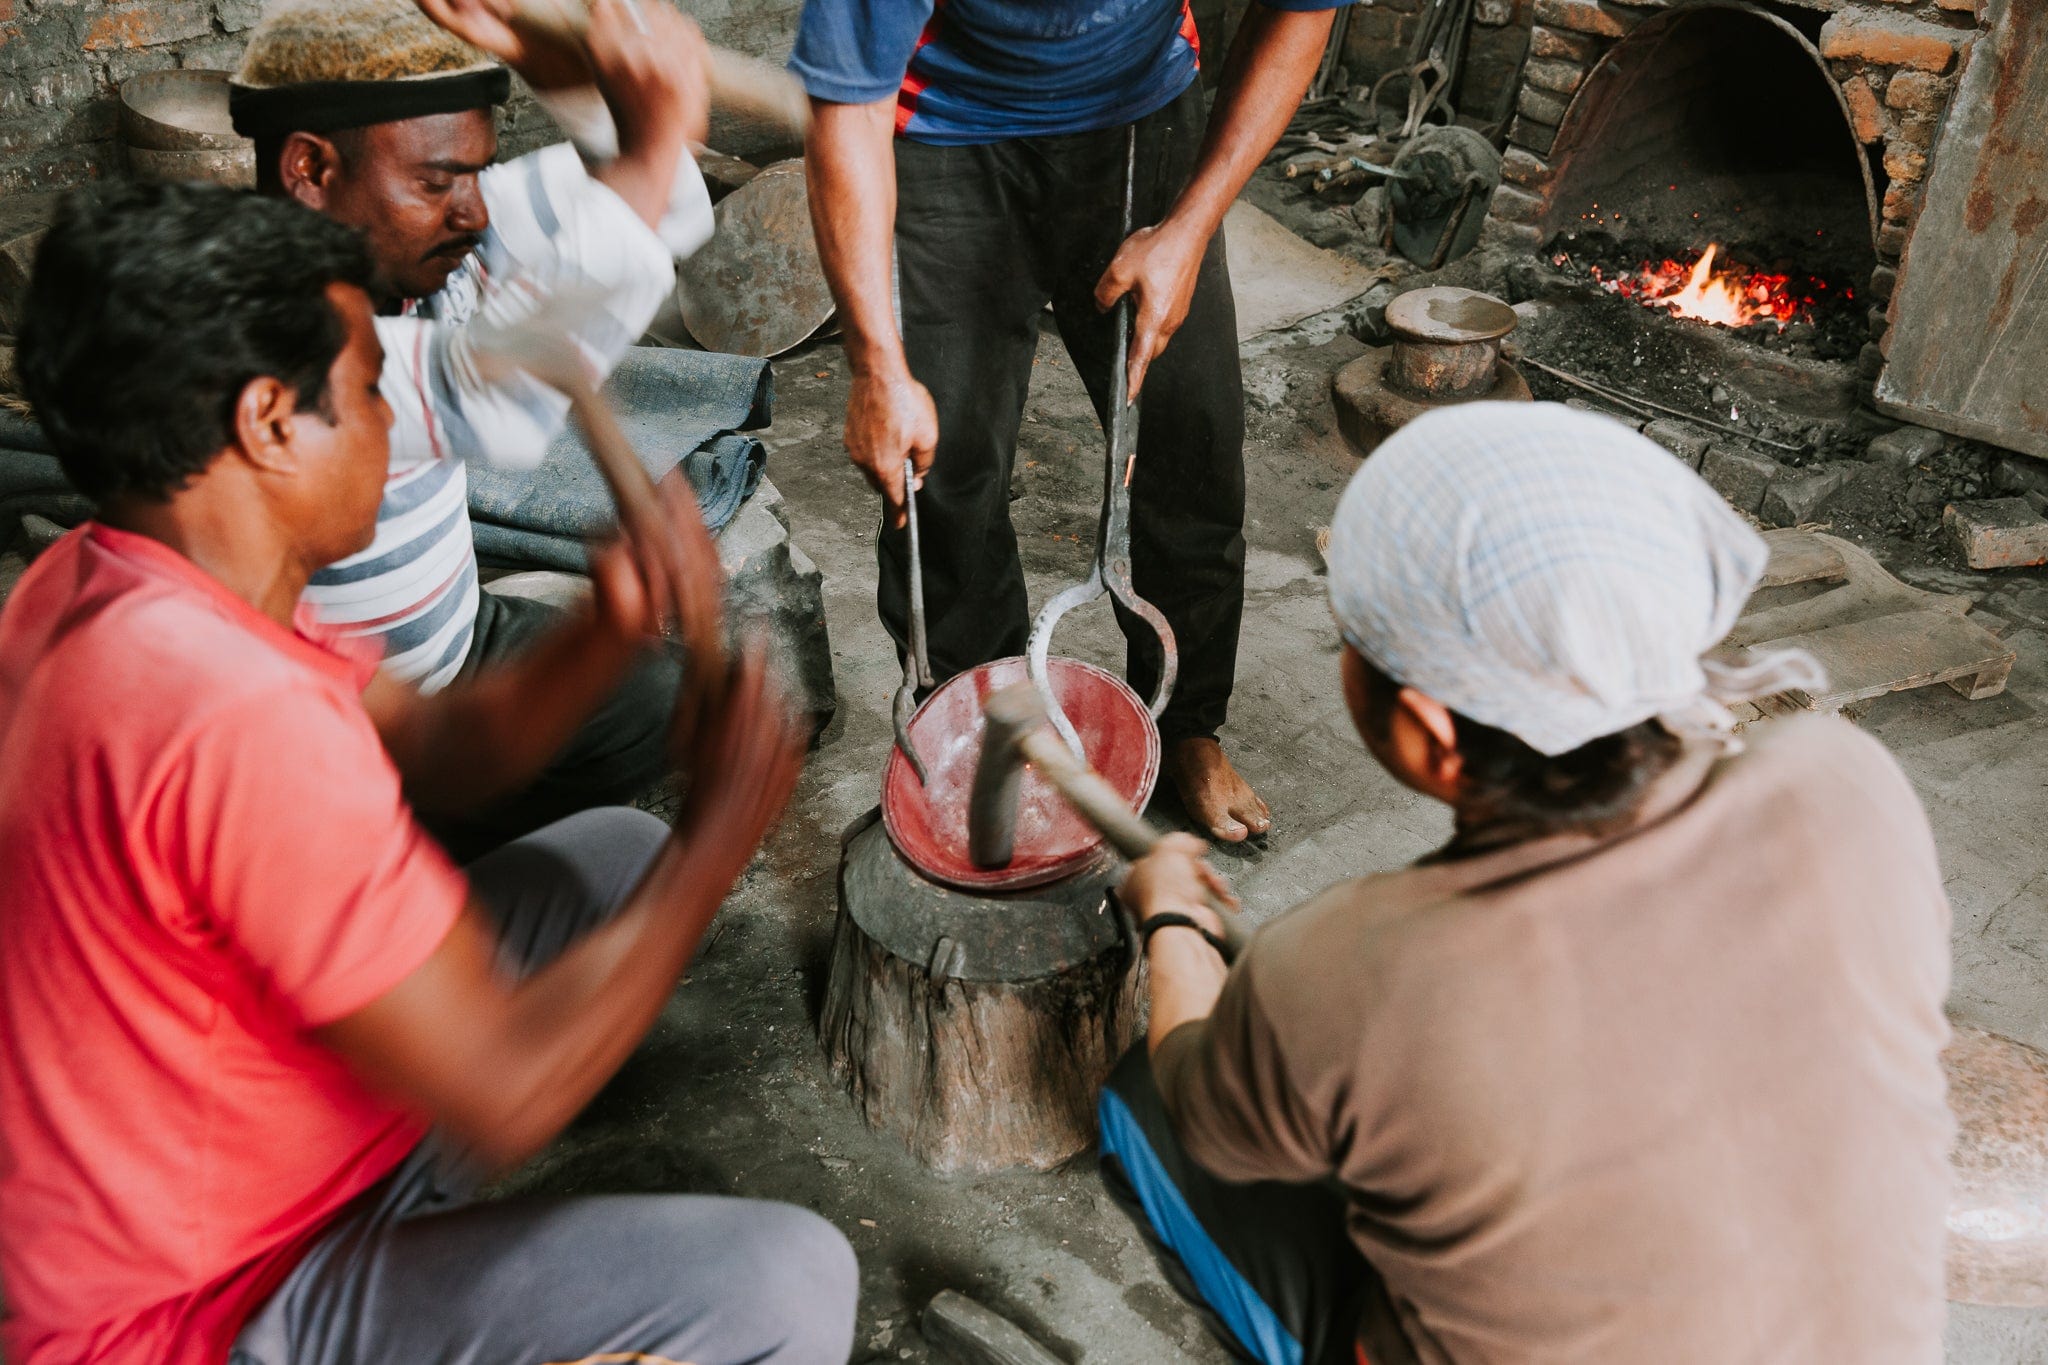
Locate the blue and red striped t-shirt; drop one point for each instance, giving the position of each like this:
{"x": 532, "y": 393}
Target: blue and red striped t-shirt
{"x": 970, "y": 71}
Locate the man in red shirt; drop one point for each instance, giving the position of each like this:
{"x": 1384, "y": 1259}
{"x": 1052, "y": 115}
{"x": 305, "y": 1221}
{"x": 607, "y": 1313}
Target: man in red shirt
{"x": 237, "y": 983}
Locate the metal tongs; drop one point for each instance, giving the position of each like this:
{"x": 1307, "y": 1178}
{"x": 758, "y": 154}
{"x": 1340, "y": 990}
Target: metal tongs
{"x": 1112, "y": 570}
{"x": 917, "y": 668}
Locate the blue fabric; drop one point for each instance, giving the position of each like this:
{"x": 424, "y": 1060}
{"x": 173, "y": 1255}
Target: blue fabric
{"x": 976, "y": 71}
{"x": 677, "y": 407}
{"x": 724, "y": 475}
{"x": 31, "y": 480}
{"x": 1222, "y": 1286}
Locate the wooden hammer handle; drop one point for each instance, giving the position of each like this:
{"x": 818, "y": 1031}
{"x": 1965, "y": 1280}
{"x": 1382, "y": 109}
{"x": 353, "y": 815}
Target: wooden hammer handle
{"x": 1103, "y": 807}
{"x": 748, "y": 85}
{"x": 744, "y": 84}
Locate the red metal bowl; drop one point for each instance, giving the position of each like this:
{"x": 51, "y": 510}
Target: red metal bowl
{"x": 928, "y": 824}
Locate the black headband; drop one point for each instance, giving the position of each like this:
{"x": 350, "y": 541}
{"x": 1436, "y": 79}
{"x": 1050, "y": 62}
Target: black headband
{"x": 330, "y": 106}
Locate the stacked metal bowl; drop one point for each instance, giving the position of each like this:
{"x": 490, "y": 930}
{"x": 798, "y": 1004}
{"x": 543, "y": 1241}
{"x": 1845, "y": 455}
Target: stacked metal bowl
{"x": 175, "y": 126}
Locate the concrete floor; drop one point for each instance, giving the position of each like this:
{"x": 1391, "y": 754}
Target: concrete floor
{"x": 731, "y": 1095}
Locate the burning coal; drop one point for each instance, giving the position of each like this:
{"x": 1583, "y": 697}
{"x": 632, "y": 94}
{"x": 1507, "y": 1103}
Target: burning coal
{"x": 1727, "y": 294}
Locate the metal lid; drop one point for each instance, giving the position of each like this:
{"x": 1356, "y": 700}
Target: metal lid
{"x": 1447, "y": 315}
{"x": 757, "y": 287}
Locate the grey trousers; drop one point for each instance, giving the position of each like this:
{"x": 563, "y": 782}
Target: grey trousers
{"x": 418, "y": 1271}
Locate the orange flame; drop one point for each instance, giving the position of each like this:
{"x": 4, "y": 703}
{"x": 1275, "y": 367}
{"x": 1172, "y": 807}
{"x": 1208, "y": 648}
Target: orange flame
{"x": 1733, "y": 296}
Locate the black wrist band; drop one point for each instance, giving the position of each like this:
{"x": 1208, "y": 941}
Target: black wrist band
{"x": 1169, "y": 919}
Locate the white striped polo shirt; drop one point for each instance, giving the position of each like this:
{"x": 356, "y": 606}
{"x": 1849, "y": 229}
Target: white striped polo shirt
{"x": 563, "y": 253}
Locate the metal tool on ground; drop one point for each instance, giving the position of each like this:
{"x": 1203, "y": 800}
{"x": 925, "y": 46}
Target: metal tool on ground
{"x": 1112, "y": 570}
{"x": 1018, "y": 733}
{"x": 1649, "y": 405}
{"x": 1446, "y": 350}
{"x": 917, "y": 668}
{"x": 1315, "y": 156}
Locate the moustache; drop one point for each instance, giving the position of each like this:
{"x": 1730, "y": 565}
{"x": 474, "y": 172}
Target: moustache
{"x": 455, "y": 248}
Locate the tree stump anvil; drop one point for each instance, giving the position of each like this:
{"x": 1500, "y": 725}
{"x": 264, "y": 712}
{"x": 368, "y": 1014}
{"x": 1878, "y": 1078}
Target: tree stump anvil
{"x": 976, "y": 1028}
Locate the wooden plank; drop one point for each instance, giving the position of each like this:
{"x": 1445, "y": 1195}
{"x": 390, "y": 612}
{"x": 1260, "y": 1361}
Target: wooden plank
{"x": 1801, "y": 557}
{"x": 1969, "y": 335}
{"x": 1869, "y": 658}
{"x": 1865, "y": 590}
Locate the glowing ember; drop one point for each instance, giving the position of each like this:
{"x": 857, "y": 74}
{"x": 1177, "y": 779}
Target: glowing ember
{"x": 1733, "y": 295}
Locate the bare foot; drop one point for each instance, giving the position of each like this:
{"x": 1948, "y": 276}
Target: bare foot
{"x": 1217, "y": 797}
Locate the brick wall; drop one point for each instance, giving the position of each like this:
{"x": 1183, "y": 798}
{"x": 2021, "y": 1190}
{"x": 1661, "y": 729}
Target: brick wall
{"x": 1894, "y": 61}
{"x": 60, "y": 61}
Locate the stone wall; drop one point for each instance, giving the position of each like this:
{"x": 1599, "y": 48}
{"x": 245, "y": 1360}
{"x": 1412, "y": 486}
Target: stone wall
{"x": 61, "y": 60}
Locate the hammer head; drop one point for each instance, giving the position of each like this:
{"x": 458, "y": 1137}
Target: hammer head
{"x": 1012, "y": 713}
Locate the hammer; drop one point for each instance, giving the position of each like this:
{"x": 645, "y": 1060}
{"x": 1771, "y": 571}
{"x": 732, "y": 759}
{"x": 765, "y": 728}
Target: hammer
{"x": 1019, "y": 732}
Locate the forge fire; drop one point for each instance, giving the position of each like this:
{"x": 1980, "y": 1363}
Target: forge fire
{"x": 1712, "y": 288}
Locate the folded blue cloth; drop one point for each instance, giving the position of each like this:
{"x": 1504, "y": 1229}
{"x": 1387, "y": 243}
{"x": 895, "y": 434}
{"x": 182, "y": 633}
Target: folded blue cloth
{"x": 724, "y": 474}
{"x": 678, "y": 408}
{"x": 31, "y": 480}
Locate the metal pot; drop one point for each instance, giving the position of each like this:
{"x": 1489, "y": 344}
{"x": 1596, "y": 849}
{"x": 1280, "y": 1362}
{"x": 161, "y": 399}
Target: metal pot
{"x": 179, "y": 111}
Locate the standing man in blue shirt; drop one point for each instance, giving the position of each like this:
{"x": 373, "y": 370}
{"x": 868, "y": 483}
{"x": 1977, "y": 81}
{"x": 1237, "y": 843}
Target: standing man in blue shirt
{"x": 980, "y": 144}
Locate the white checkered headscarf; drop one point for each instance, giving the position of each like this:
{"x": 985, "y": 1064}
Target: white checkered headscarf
{"x": 1550, "y": 573}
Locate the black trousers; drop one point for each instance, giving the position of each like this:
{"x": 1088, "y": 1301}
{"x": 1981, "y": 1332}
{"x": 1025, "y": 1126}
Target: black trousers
{"x": 1270, "y": 1265}
{"x": 986, "y": 236}
{"x": 618, "y": 754}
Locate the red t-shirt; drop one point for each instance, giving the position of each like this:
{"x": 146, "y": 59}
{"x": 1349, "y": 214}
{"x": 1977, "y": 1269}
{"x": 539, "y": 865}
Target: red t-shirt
{"x": 204, "y": 854}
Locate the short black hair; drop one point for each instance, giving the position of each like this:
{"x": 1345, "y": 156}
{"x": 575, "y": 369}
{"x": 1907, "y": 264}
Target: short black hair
{"x": 150, "y": 309}
{"x": 1592, "y": 789}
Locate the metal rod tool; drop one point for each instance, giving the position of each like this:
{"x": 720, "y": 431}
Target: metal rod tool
{"x": 917, "y": 668}
{"x": 1112, "y": 569}
{"x": 1018, "y": 734}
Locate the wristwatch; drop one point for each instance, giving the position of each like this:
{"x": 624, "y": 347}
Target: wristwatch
{"x": 1170, "y": 919}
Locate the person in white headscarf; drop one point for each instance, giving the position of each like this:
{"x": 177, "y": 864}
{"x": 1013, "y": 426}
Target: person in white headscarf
{"x": 1645, "y": 1063}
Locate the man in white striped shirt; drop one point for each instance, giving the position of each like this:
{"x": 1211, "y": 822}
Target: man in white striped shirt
{"x": 379, "y": 117}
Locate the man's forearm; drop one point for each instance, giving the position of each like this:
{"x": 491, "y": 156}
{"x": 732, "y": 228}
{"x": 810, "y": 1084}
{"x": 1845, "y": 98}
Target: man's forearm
{"x": 851, "y": 167}
{"x": 463, "y": 747}
{"x": 571, "y": 1025}
{"x": 1187, "y": 979}
{"x": 504, "y": 1066}
{"x": 1271, "y": 62}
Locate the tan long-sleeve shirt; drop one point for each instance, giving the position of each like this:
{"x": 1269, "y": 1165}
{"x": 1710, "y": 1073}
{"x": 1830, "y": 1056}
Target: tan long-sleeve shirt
{"x": 1670, "y": 1097}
